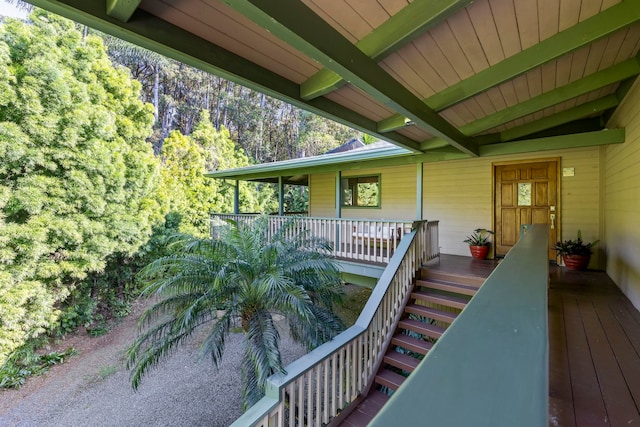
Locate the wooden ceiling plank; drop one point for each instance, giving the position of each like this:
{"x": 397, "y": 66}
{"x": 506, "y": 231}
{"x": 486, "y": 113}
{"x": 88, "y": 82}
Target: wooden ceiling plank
{"x": 550, "y": 10}
{"x": 595, "y": 81}
{"x": 566, "y": 116}
{"x": 569, "y": 14}
{"x": 402, "y": 28}
{"x": 447, "y": 42}
{"x": 575, "y": 37}
{"x": 571, "y": 39}
{"x": 465, "y": 34}
{"x": 300, "y": 27}
{"x": 527, "y": 16}
{"x": 485, "y": 28}
{"x": 586, "y": 139}
{"x": 430, "y": 50}
{"x": 504, "y": 14}
{"x": 629, "y": 46}
{"x": 578, "y": 64}
{"x": 122, "y": 9}
{"x": 534, "y": 82}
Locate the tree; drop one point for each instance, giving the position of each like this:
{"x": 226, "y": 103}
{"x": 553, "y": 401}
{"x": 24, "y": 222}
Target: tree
{"x": 78, "y": 180}
{"x": 246, "y": 275}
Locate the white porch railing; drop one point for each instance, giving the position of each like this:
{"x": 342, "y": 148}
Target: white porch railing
{"x": 353, "y": 239}
{"x": 325, "y": 381}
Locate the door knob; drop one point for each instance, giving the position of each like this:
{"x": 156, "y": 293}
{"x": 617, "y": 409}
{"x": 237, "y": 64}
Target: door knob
{"x": 553, "y": 219}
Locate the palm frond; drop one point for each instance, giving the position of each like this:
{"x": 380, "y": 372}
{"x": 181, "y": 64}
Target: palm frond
{"x": 262, "y": 356}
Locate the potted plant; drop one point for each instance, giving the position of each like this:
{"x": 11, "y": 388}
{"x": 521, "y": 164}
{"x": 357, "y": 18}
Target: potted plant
{"x": 576, "y": 254}
{"x": 479, "y": 242}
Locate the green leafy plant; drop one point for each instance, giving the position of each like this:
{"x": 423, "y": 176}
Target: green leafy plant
{"x": 24, "y": 363}
{"x": 574, "y": 247}
{"x": 479, "y": 237}
{"x": 243, "y": 278}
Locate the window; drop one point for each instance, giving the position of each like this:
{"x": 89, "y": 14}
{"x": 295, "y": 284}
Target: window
{"x": 361, "y": 191}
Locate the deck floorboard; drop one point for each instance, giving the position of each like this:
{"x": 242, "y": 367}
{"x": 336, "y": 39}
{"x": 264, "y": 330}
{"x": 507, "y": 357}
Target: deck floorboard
{"x": 594, "y": 343}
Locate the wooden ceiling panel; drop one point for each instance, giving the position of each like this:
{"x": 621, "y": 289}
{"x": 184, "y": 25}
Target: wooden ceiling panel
{"x": 429, "y": 49}
{"x": 610, "y": 54}
{"x": 465, "y": 34}
{"x": 447, "y": 43}
{"x": 569, "y": 13}
{"x": 415, "y": 133}
{"x": 563, "y": 70}
{"x": 505, "y": 18}
{"x": 230, "y": 30}
{"x": 578, "y": 64}
{"x": 412, "y": 70}
{"x": 527, "y": 18}
{"x": 486, "y": 31}
{"x": 356, "y": 100}
{"x": 548, "y": 26}
{"x": 349, "y": 22}
{"x": 496, "y": 98}
{"x": 393, "y": 6}
{"x": 534, "y": 82}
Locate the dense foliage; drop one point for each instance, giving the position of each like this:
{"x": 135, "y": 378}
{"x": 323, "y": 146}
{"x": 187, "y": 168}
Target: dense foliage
{"x": 246, "y": 274}
{"x": 266, "y": 128}
{"x": 78, "y": 180}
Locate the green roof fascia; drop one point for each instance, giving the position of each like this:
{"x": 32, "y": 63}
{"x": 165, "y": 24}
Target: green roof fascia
{"x": 587, "y": 139}
{"x": 296, "y": 24}
{"x": 597, "y": 80}
{"x": 370, "y": 159}
{"x": 601, "y": 25}
{"x": 122, "y": 9}
{"x": 581, "y": 111}
{"x": 317, "y": 164}
{"x": 400, "y": 29}
{"x": 159, "y": 36}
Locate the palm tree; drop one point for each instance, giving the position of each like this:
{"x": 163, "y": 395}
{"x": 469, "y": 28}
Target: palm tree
{"x": 245, "y": 276}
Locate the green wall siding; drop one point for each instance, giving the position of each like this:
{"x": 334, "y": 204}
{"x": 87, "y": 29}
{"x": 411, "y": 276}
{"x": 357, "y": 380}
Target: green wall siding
{"x": 621, "y": 204}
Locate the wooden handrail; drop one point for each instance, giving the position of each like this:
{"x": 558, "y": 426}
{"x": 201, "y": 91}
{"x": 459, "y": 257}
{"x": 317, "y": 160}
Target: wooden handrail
{"x": 490, "y": 367}
{"x": 320, "y": 384}
{"x": 370, "y": 240}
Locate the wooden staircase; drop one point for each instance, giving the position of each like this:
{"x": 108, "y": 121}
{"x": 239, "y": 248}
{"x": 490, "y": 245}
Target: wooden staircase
{"x": 436, "y": 300}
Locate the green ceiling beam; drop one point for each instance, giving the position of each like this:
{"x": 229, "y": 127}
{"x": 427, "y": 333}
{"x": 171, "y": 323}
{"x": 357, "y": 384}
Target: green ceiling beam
{"x": 293, "y": 22}
{"x": 397, "y": 122}
{"x": 157, "y": 35}
{"x": 595, "y": 81}
{"x": 122, "y": 9}
{"x": 601, "y": 25}
{"x": 587, "y": 139}
{"x": 403, "y": 27}
{"x": 433, "y": 143}
{"x": 581, "y": 111}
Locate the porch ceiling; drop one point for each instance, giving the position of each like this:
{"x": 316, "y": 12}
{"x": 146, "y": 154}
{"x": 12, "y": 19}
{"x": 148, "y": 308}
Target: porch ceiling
{"x": 432, "y": 76}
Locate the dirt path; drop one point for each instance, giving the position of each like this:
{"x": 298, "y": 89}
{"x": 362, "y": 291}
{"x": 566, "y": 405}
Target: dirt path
{"x": 93, "y": 389}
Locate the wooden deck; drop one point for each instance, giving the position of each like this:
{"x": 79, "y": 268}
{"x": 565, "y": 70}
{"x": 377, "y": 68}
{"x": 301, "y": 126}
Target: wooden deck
{"x": 594, "y": 347}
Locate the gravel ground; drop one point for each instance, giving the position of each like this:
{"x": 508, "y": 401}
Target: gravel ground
{"x": 93, "y": 388}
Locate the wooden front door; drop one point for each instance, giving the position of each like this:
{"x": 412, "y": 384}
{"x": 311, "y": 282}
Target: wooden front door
{"x": 525, "y": 193}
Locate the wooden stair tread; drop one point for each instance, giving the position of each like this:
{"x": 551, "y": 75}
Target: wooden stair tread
{"x": 389, "y": 379}
{"x": 411, "y": 343}
{"x": 446, "y": 300}
{"x": 431, "y": 313}
{"x": 401, "y": 361}
{"x": 466, "y": 279}
{"x": 448, "y": 286}
{"x": 422, "y": 328}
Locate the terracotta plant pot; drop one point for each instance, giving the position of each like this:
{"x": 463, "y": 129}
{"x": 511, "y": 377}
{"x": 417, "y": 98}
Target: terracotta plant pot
{"x": 576, "y": 262}
{"x": 479, "y": 252}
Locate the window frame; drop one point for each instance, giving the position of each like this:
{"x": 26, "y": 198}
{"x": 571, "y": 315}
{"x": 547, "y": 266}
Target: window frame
{"x": 378, "y": 178}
